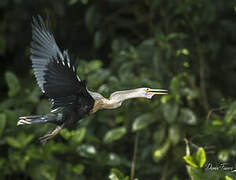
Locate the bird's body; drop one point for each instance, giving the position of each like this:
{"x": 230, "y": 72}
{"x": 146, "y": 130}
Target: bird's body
{"x": 58, "y": 80}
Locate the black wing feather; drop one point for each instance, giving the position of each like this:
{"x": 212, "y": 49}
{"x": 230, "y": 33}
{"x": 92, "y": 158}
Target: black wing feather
{"x": 61, "y": 80}
{"x": 54, "y": 73}
{"x": 43, "y": 48}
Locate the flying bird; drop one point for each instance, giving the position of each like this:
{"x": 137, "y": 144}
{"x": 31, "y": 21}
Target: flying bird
{"x": 57, "y": 78}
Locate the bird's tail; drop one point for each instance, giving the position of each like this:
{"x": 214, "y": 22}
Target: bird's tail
{"x": 27, "y": 120}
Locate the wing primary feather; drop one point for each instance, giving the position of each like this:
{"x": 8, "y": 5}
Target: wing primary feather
{"x": 44, "y": 28}
{"x": 55, "y": 74}
{"x": 37, "y": 30}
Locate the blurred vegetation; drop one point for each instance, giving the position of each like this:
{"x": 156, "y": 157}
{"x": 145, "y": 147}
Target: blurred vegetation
{"x": 185, "y": 46}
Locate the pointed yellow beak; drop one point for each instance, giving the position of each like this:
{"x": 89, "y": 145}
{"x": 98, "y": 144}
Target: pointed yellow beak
{"x": 157, "y": 91}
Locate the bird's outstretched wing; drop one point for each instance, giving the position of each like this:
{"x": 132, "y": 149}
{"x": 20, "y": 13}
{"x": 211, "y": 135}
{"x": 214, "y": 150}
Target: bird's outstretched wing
{"x": 54, "y": 73}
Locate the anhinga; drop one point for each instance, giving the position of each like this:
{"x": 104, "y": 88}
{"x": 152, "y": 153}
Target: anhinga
{"x": 57, "y": 79}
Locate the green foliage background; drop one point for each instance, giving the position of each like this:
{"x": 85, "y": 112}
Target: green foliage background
{"x": 185, "y": 46}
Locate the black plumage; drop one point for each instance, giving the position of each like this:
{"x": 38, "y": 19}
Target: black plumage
{"x": 57, "y": 79}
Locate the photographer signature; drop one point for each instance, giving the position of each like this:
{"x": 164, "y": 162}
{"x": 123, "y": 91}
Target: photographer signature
{"x": 220, "y": 167}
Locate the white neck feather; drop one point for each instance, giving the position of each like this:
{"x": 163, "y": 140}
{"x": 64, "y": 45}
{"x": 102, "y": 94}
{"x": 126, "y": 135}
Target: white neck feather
{"x": 120, "y": 96}
{"x": 115, "y": 100}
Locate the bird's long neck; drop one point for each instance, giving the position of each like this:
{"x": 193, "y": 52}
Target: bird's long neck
{"x": 115, "y": 100}
{"x": 120, "y": 96}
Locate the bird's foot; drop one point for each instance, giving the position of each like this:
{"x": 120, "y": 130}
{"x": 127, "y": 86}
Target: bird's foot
{"x": 46, "y": 138}
{"x": 49, "y": 136}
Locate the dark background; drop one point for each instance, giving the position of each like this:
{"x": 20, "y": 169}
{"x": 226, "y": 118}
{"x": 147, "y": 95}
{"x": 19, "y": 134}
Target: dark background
{"x": 185, "y": 46}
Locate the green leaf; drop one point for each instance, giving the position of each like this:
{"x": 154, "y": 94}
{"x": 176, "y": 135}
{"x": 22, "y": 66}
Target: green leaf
{"x": 78, "y": 169}
{"x": 191, "y": 161}
{"x": 66, "y": 134}
{"x": 175, "y": 84}
{"x": 228, "y": 178}
{"x": 170, "y": 112}
{"x": 43, "y": 107}
{"x": 6, "y": 104}
{"x": 78, "y": 135}
{"x": 93, "y": 65}
{"x": 11, "y": 117}
{"x": 119, "y": 119}
{"x": 142, "y": 122}
{"x": 231, "y": 112}
{"x": 21, "y": 141}
{"x": 84, "y": 2}
{"x": 198, "y": 174}
{"x": 217, "y": 122}
{"x": 48, "y": 171}
{"x": 13, "y": 142}
{"x": 159, "y": 134}
{"x": 232, "y": 130}
{"x": 35, "y": 95}
{"x": 13, "y": 84}
{"x": 114, "y": 134}
{"x": 187, "y": 116}
{"x": 35, "y": 152}
{"x": 165, "y": 98}
{"x": 99, "y": 39}
{"x": 2, "y": 123}
{"x": 26, "y": 139}
{"x": 223, "y": 155}
{"x": 2, "y": 161}
{"x": 86, "y": 150}
{"x": 92, "y": 18}
{"x": 71, "y": 2}
{"x": 161, "y": 151}
{"x": 59, "y": 147}
{"x": 182, "y": 51}
{"x": 113, "y": 159}
{"x": 115, "y": 174}
{"x": 200, "y": 157}
{"x": 174, "y": 134}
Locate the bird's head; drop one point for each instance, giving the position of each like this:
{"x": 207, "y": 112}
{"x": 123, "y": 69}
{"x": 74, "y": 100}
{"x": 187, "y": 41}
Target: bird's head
{"x": 148, "y": 92}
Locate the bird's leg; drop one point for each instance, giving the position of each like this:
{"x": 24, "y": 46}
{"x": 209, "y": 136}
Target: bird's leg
{"x": 49, "y": 136}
